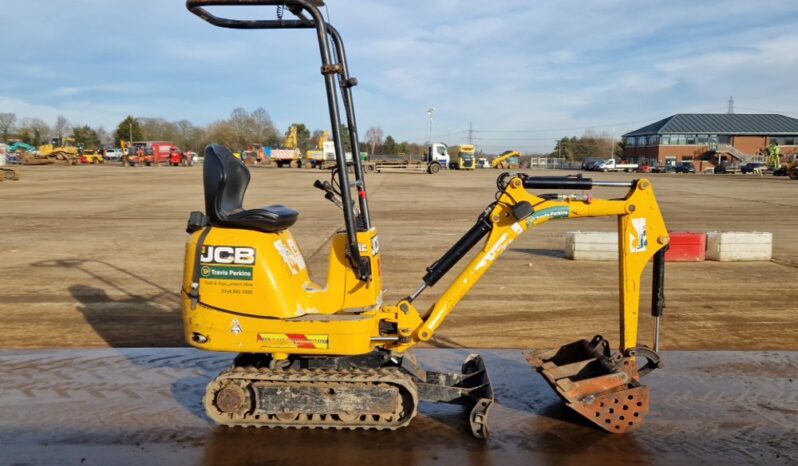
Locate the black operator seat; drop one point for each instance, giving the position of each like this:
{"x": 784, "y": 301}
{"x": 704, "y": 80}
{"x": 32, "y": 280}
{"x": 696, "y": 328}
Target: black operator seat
{"x": 226, "y": 179}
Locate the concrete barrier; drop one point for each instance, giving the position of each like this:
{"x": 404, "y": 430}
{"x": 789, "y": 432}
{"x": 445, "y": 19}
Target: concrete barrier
{"x": 591, "y": 246}
{"x": 728, "y": 246}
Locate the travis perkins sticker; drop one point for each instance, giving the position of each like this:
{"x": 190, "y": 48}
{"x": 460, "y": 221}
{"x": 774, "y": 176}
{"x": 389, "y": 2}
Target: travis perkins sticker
{"x": 227, "y": 262}
{"x": 551, "y": 213}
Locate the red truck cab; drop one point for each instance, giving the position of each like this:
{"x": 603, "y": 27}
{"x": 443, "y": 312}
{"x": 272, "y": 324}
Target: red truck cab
{"x": 150, "y": 152}
{"x": 175, "y": 156}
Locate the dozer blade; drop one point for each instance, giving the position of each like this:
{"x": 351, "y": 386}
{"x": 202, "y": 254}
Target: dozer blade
{"x": 603, "y": 387}
{"x": 470, "y": 388}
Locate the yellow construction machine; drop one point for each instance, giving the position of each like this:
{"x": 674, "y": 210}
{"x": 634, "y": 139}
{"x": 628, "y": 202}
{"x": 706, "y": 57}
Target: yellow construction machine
{"x": 336, "y": 355}
{"x": 507, "y": 160}
{"x": 91, "y": 156}
{"x": 61, "y": 149}
{"x": 789, "y": 168}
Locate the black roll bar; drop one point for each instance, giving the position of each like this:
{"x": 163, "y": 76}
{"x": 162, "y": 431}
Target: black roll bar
{"x": 328, "y": 70}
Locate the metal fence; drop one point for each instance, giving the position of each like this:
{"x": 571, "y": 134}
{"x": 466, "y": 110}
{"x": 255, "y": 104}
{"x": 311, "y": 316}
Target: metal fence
{"x": 559, "y": 163}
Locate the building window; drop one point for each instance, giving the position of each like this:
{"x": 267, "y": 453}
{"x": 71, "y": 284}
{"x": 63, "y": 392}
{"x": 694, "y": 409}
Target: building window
{"x": 703, "y": 138}
{"x": 690, "y": 138}
{"x": 653, "y": 140}
{"x": 681, "y": 139}
{"x": 784, "y": 140}
{"x": 643, "y": 141}
{"x": 665, "y": 139}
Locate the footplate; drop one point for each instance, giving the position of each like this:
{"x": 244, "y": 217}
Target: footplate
{"x": 603, "y": 387}
{"x": 471, "y": 388}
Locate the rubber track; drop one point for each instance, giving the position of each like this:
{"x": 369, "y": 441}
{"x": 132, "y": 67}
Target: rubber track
{"x": 374, "y": 377}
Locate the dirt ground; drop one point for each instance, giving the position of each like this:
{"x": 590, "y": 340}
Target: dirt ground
{"x": 93, "y": 257}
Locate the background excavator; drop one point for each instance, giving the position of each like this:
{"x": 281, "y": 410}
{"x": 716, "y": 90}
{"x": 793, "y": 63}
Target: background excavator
{"x": 507, "y": 160}
{"x": 336, "y": 355}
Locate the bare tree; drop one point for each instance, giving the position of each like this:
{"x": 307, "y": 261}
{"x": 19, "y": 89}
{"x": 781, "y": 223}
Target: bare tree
{"x": 104, "y": 136}
{"x": 36, "y": 130}
{"x": 6, "y": 123}
{"x": 158, "y": 129}
{"x": 244, "y": 127}
{"x": 62, "y": 127}
{"x": 188, "y": 135}
{"x": 265, "y": 131}
{"x": 374, "y": 138}
{"x": 315, "y": 137}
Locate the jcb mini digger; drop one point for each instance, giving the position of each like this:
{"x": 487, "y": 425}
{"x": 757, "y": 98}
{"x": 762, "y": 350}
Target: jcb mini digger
{"x": 336, "y": 355}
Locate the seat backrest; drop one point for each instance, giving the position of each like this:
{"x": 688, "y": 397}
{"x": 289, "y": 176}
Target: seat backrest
{"x": 225, "y": 179}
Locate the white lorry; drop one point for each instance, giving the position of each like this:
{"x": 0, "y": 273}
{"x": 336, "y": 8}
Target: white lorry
{"x": 610, "y": 165}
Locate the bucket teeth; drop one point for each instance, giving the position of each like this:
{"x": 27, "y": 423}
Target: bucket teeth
{"x": 603, "y": 388}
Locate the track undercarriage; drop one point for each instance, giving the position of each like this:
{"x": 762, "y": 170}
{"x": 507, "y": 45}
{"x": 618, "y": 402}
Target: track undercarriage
{"x": 375, "y": 391}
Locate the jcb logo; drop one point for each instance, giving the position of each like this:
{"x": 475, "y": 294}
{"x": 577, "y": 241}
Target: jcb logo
{"x": 227, "y": 255}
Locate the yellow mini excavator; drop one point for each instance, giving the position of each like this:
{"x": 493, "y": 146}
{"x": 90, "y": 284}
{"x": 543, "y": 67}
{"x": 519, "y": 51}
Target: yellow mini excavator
{"x": 336, "y": 355}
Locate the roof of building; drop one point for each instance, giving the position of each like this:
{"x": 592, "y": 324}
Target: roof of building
{"x": 721, "y": 123}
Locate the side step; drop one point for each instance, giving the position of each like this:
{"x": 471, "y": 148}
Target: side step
{"x": 603, "y": 387}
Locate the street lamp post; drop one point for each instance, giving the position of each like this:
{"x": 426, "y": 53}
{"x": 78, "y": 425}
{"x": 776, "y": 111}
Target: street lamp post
{"x": 429, "y": 114}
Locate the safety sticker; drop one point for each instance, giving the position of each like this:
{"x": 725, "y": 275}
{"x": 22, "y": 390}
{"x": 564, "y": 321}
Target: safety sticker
{"x": 375, "y": 245}
{"x": 291, "y": 255}
{"x": 518, "y": 229}
{"x": 294, "y": 340}
{"x": 494, "y": 252}
{"x": 638, "y": 238}
{"x": 235, "y": 327}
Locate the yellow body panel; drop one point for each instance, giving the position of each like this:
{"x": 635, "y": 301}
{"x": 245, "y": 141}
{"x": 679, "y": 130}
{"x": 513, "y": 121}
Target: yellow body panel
{"x": 261, "y": 280}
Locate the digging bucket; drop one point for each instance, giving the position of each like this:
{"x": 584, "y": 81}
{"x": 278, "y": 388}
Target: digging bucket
{"x": 602, "y": 386}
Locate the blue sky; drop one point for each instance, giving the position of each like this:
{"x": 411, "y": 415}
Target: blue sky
{"x": 523, "y": 73}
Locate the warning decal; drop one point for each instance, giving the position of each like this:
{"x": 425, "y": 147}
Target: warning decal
{"x": 638, "y": 238}
{"x": 294, "y": 340}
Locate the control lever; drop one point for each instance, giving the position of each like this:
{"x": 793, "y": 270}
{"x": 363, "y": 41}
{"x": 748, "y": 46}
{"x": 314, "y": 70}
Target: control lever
{"x": 330, "y": 194}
